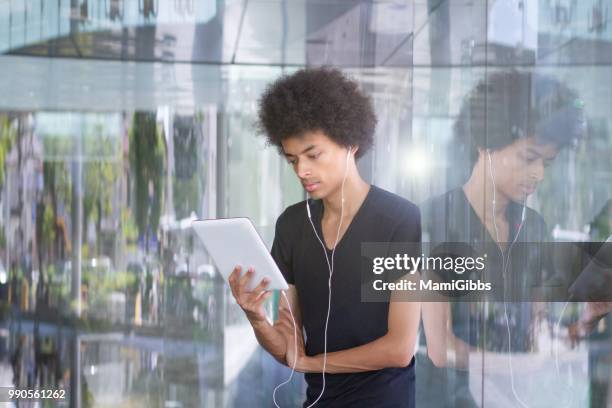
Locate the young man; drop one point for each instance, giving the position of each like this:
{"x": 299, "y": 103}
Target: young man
{"x": 322, "y": 123}
{"x": 516, "y": 123}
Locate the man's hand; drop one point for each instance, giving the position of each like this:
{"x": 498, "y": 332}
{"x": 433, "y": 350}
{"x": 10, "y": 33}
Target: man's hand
{"x": 250, "y": 302}
{"x": 284, "y": 324}
{"x": 593, "y": 311}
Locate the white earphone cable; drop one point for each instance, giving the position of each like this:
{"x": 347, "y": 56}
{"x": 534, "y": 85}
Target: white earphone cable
{"x": 330, "y": 266}
{"x": 556, "y": 352}
{"x": 331, "y": 272}
{"x": 505, "y": 265}
{"x": 504, "y": 269}
{"x": 295, "y": 352}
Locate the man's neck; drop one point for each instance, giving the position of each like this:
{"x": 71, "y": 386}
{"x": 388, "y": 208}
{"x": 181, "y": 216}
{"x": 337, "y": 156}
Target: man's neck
{"x": 480, "y": 195}
{"x": 355, "y": 192}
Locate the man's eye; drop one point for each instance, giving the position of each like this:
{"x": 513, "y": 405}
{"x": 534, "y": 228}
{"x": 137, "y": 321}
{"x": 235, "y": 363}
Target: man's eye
{"x": 314, "y": 156}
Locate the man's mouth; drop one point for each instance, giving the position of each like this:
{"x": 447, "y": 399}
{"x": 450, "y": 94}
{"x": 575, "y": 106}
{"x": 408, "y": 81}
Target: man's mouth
{"x": 528, "y": 189}
{"x": 310, "y": 187}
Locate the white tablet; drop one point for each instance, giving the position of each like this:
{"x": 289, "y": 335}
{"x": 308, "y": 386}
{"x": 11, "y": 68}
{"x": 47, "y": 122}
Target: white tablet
{"x": 234, "y": 241}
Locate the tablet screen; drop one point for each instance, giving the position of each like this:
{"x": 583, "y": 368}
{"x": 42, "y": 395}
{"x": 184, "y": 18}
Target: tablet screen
{"x": 234, "y": 241}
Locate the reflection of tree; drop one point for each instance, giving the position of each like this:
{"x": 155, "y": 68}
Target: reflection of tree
{"x": 24, "y": 146}
{"x": 148, "y": 8}
{"x": 128, "y": 228}
{"x": 147, "y": 162}
{"x": 100, "y": 176}
{"x": 187, "y": 138}
{"x": 51, "y": 237}
{"x": 7, "y": 139}
{"x": 58, "y": 189}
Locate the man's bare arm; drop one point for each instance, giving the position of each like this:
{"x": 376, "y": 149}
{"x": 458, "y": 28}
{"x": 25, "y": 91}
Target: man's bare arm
{"x": 394, "y": 349}
{"x": 268, "y": 335}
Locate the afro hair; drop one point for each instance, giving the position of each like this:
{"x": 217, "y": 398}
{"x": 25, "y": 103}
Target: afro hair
{"x": 511, "y": 104}
{"x": 317, "y": 99}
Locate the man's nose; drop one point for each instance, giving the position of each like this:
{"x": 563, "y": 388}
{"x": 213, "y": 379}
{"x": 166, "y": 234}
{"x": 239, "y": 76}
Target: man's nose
{"x": 537, "y": 170}
{"x": 302, "y": 170}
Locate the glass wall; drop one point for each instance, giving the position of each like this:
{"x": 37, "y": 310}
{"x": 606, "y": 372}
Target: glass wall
{"x": 123, "y": 121}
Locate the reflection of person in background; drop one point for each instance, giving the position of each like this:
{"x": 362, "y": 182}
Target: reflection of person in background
{"x": 154, "y": 302}
{"x": 146, "y": 297}
{"x": 14, "y": 293}
{"x": 321, "y": 122}
{"x": 516, "y": 123}
{"x": 16, "y": 362}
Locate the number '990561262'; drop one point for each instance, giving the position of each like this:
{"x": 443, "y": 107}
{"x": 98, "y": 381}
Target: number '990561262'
{"x": 35, "y": 394}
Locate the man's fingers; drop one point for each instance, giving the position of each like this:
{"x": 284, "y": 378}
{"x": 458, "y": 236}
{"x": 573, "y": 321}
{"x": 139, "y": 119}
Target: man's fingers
{"x": 232, "y": 276}
{"x": 233, "y": 279}
{"x": 263, "y": 296}
{"x": 262, "y": 285}
{"x": 245, "y": 279}
{"x": 259, "y": 290}
{"x": 258, "y": 301}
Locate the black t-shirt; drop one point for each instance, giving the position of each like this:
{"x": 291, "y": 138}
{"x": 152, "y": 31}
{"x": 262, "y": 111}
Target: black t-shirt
{"x": 451, "y": 218}
{"x": 382, "y": 217}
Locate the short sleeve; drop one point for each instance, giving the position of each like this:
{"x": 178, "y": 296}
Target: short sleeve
{"x": 281, "y": 250}
{"x": 405, "y": 239}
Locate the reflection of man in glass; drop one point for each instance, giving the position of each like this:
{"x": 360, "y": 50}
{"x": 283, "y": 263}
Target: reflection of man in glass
{"x": 321, "y": 122}
{"x": 515, "y": 123}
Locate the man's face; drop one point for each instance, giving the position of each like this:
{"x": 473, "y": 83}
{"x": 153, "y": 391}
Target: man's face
{"x": 519, "y": 167}
{"x": 318, "y": 161}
